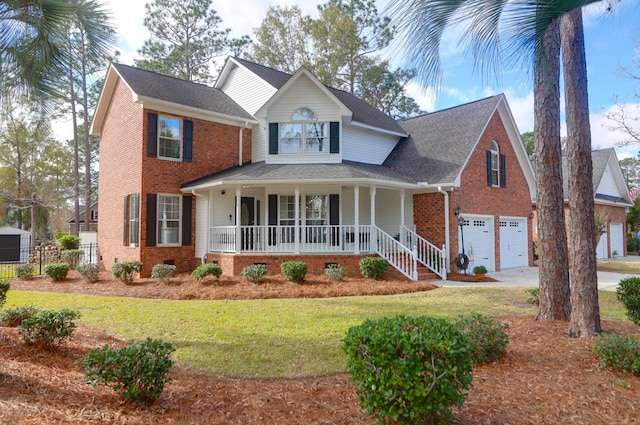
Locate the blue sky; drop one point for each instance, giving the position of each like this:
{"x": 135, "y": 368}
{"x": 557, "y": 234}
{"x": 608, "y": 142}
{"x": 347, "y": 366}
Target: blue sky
{"x": 612, "y": 40}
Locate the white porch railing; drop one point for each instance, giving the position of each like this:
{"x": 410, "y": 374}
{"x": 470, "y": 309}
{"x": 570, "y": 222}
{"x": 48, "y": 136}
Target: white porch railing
{"x": 398, "y": 255}
{"x": 283, "y": 239}
{"x": 432, "y": 257}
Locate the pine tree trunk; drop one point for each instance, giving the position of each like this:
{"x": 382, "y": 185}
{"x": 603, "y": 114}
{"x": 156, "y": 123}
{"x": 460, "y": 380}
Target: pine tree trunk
{"x": 585, "y": 312}
{"x": 552, "y": 242}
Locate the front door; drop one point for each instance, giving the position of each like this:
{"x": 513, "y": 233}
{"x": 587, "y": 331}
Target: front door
{"x": 247, "y": 218}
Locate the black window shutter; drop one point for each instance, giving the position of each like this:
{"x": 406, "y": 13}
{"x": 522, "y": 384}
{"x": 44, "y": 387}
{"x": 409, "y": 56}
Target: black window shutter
{"x": 152, "y": 134}
{"x": 489, "y": 178}
{"x": 186, "y": 220}
{"x": 334, "y": 137}
{"x": 334, "y": 218}
{"x": 125, "y": 222}
{"x": 503, "y": 171}
{"x": 273, "y": 138}
{"x": 187, "y": 141}
{"x": 152, "y": 219}
{"x": 273, "y": 218}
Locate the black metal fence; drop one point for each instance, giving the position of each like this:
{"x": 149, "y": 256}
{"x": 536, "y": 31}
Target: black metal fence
{"x": 40, "y": 256}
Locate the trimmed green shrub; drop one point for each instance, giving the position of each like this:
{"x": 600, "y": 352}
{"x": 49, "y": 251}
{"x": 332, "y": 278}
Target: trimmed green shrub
{"x": 138, "y": 372}
{"x": 12, "y": 317}
{"x": 163, "y": 272}
{"x": 534, "y": 296}
{"x": 67, "y": 241}
{"x": 618, "y": 352}
{"x": 24, "y": 271}
{"x": 294, "y": 271}
{"x": 48, "y": 327}
{"x": 90, "y": 272}
{"x": 72, "y": 256}
{"x": 204, "y": 270}
{"x": 4, "y": 288}
{"x": 126, "y": 271}
{"x": 479, "y": 270}
{"x": 254, "y": 272}
{"x": 487, "y": 338}
{"x": 373, "y": 267}
{"x": 409, "y": 370}
{"x": 56, "y": 271}
{"x": 628, "y": 293}
{"x": 633, "y": 244}
{"x": 335, "y": 272}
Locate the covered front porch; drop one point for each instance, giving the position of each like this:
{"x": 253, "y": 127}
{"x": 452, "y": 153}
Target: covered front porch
{"x": 329, "y": 215}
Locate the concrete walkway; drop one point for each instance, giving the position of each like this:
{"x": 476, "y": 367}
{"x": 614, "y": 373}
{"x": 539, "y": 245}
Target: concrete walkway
{"x": 528, "y": 276}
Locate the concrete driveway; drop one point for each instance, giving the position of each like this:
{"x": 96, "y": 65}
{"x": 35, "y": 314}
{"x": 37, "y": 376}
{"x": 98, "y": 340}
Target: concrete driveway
{"x": 528, "y": 276}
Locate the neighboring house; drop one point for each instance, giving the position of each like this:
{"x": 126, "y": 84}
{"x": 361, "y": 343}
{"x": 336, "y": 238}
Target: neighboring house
{"x": 93, "y": 220}
{"x": 266, "y": 167}
{"x": 610, "y": 199}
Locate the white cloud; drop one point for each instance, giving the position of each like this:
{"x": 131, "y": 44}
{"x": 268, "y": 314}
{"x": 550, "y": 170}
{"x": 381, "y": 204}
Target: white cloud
{"x": 424, "y": 96}
{"x": 522, "y": 110}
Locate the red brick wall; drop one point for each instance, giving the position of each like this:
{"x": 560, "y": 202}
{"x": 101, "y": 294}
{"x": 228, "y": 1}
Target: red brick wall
{"x": 474, "y": 196}
{"x": 120, "y": 173}
{"x": 215, "y": 148}
{"x": 233, "y": 264}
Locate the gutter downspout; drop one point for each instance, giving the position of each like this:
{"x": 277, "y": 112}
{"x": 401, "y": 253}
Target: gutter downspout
{"x": 446, "y": 225}
{"x": 242, "y": 127}
{"x": 204, "y": 256}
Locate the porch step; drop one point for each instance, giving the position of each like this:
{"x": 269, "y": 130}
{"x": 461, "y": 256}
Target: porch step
{"x": 424, "y": 274}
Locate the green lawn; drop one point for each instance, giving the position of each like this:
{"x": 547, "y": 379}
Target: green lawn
{"x": 275, "y": 338}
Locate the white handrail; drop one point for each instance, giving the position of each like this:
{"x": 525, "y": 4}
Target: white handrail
{"x": 432, "y": 257}
{"x": 398, "y": 255}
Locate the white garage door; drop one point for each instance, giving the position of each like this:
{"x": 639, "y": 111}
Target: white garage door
{"x": 478, "y": 242}
{"x": 601, "y": 249}
{"x": 616, "y": 238}
{"x": 513, "y": 243}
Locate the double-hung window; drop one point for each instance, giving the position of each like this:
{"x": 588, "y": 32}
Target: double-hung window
{"x": 131, "y": 223}
{"x": 496, "y": 167}
{"x": 169, "y": 138}
{"x": 168, "y": 216}
{"x": 304, "y": 133}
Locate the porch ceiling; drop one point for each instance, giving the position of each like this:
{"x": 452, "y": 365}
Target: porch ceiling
{"x": 346, "y": 172}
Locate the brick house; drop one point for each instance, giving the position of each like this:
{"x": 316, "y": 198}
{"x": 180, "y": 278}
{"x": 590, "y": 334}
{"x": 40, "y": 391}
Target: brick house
{"x": 610, "y": 199}
{"x": 266, "y": 167}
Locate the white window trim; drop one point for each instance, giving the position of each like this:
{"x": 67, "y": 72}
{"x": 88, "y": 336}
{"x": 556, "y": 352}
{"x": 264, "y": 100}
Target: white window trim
{"x": 303, "y": 134}
{"x": 181, "y": 121}
{"x": 172, "y": 195}
{"x": 134, "y": 220}
{"x": 495, "y": 154}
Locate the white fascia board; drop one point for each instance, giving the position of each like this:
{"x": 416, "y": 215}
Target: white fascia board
{"x": 377, "y": 129}
{"x": 105, "y": 98}
{"x": 365, "y": 182}
{"x": 189, "y": 111}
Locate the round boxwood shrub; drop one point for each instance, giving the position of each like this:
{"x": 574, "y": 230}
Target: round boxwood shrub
{"x": 4, "y": 288}
{"x": 254, "y": 272}
{"x": 90, "y": 272}
{"x": 488, "y": 339}
{"x": 618, "y": 352}
{"x": 628, "y": 293}
{"x": 48, "y": 327}
{"x": 24, "y": 271}
{"x": 163, "y": 272}
{"x": 373, "y": 267}
{"x": 56, "y": 271}
{"x": 294, "y": 271}
{"x": 409, "y": 370}
{"x": 204, "y": 270}
{"x": 126, "y": 271}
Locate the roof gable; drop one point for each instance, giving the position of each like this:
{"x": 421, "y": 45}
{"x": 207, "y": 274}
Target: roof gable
{"x": 361, "y": 112}
{"x": 167, "y": 93}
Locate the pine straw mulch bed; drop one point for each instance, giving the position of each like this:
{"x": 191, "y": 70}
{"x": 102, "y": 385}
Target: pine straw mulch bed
{"x": 545, "y": 378}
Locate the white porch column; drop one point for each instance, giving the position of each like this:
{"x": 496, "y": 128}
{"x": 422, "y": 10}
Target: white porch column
{"x": 402, "y": 232}
{"x": 356, "y": 218}
{"x": 238, "y": 221}
{"x": 372, "y": 191}
{"x": 296, "y": 228}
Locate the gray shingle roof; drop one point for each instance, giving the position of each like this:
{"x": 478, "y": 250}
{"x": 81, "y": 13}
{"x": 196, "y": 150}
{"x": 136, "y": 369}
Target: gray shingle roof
{"x": 439, "y": 143}
{"x": 362, "y": 111}
{"x": 307, "y": 173}
{"x": 162, "y": 87}
{"x": 599, "y": 159}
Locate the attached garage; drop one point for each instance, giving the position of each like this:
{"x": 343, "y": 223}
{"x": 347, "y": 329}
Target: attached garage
{"x": 513, "y": 242}
{"x": 601, "y": 249}
{"x": 479, "y": 241}
{"x": 14, "y": 245}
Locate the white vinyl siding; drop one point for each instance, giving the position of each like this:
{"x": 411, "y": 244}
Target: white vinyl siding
{"x": 366, "y": 146}
{"x": 607, "y": 184}
{"x": 247, "y": 90}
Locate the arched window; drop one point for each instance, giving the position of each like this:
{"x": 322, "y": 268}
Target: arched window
{"x": 304, "y": 133}
{"x": 496, "y": 163}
